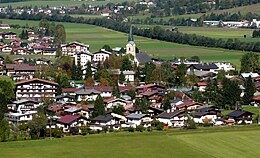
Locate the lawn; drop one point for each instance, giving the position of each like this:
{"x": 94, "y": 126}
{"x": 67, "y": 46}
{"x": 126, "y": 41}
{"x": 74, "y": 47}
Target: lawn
{"x": 220, "y": 142}
{"x": 98, "y": 36}
{"x": 57, "y": 3}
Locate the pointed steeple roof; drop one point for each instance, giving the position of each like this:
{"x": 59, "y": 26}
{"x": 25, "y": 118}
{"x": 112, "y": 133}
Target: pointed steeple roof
{"x": 130, "y": 36}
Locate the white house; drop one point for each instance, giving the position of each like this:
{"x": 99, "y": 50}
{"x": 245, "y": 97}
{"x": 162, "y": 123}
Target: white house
{"x": 101, "y": 55}
{"x": 205, "y": 117}
{"x": 129, "y": 75}
{"x": 82, "y": 58}
{"x": 68, "y": 122}
{"x": 226, "y": 66}
{"x": 23, "y": 106}
{"x": 87, "y": 94}
{"x": 36, "y": 89}
{"x": 74, "y": 48}
{"x": 17, "y": 118}
{"x": 173, "y": 119}
{"x": 138, "y": 119}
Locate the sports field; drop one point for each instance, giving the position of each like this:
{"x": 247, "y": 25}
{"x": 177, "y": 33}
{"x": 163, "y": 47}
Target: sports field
{"x": 220, "y": 142}
{"x": 57, "y": 3}
{"x": 98, "y": 36}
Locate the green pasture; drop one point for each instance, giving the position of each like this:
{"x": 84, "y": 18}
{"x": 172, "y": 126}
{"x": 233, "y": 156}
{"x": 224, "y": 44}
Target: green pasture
{"x": 211, "y": 142}
{"x": 57, "y": 3}
{"x": 96, "y": 37}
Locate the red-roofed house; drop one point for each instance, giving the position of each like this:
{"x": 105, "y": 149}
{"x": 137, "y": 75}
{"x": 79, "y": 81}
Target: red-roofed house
{"x": 68, "y": 122}
{"x": 36, "y": 89}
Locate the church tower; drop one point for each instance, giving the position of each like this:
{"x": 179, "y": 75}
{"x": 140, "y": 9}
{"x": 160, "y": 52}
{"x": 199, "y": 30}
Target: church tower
{"x": 130, "y": 46}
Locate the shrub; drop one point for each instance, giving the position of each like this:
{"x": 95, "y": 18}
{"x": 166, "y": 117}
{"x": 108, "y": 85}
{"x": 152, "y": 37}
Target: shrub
{"x": 57, "y": 133}
{"x": 131, "y": 129}
{"x": 159, "y": 127}
{"x": 84, "y": 130}
{"x": 140, "y": 128}
{"x": 75, "y": 131}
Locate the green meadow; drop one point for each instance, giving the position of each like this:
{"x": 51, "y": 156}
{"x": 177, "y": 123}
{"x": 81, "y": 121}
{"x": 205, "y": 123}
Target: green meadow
{"x": 211, "y": 142}
{"x": 96, "y": 37}
{"x": 58, "y": 3}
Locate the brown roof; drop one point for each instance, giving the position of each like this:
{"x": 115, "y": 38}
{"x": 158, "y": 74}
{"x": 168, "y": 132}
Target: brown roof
{"x": 70, "y": 90}
{"x": 256, "y": 98}
{"x": 187, "y": 104}
{"x": 35, "y": 79}
{"x": 145, "y": 86}
{"x": 201, "y": 83}
{"x": 108, "y": 88}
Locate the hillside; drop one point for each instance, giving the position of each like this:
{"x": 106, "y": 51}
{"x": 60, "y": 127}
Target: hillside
{"x": 98, "y": 36}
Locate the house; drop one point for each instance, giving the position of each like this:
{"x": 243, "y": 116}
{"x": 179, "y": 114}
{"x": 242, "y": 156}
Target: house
{"x": 7, "y": 35}
{"x": 101, "y": 55}
{"x": 74, "y": 48}
{"x": 20, "y": 71}
{"x": 114, "y": 102}
{"x": 189, "y": 105}
{"x": 20, "y": 51}
{"x": 68, "y": 122}
{"x": 36, "y": 89}
{"x": 42, "y": 61}
{"x": 17, "y": 118}
{"x": 173, "y": 119}
{"x": 87, "y": 94}
{"x": 245, "y": 75}
{"x": 49, "y": 51}
{"x": 211, "y": 67}
{"x": 106, "y": 91}
{"x": 241, "y": 116}
{"x": 226, "y": 66}
{"x": 65, "y": 99}
{"x": 19, "y": 60}
{"x": 129, "y": 75}
{"x": 111, "y": 120}
{"x": 205, "y": 117}
{"x": 4, "y": 26}
{"x": 135, "y": 120}
{"x": 23, "y": 106}
{"x": 82, "y": 58}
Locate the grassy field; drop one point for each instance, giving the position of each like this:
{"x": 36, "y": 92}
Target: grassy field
{"x": 220, "y": 142}
{"x": 57, "y": 3}
{"x": 214, "y": 32}
{"x": 98, "y": 36}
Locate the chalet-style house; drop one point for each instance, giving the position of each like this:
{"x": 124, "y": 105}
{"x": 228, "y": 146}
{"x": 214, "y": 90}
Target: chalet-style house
{"x": 42, "y": 61}
{"x": 82, "y": 58}
{"x": 134, "y": 120}
{"x": 68, "y": 122}
{"x": 22, "y": 106}
{"x": 36, "y": 89}
{"x": 20, "y": 71}
{"x": 7, "y": 35}
{"x": 4, "y": 26}
{"x": 87, "y": 94}
{"x": 74, "y": 48}
{"x": 101, "y": 55}
{"x": 173, "y": 119}
{"x": 17, "y": 118}
{"x": 241, "y": 116}
{"x": 115, "y": 102}
{"x": 189, "y": 106}
{"x": 211, "y": 67}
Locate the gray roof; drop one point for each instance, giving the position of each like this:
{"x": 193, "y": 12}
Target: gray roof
{"x": 128, "y": 72}
{"x": 103, "y": 118}
{"x": 205, "y": 66}
{"x": 23, "y": 101}
{"x": 87, "y": 91}
{"x": 143, "y": 57}
{"x": 135, "y": 116}
{"x": 199, "y": 73}
{"x": 169, "y": 115}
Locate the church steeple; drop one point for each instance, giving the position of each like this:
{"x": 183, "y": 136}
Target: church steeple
{"x": 130, "y": 36}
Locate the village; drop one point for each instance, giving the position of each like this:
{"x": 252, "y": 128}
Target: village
{"x": 130, "y": 100}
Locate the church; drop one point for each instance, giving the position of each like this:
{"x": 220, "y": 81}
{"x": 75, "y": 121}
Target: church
{"x": 139, "y": 58}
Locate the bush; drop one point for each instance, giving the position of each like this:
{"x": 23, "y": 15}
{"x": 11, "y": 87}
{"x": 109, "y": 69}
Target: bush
{"x": 131, "y": 129}
{"x": 84, "y": 130}
{"x": 105, "y": 129}
{"x": 140, "y": 128}
{"x": 149, "y": 129}
{"x": 57, "y": 133}
{"x": 75, "y": 131}
{"x": 190, "y": 124}
{"x": 159, "y": 127}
